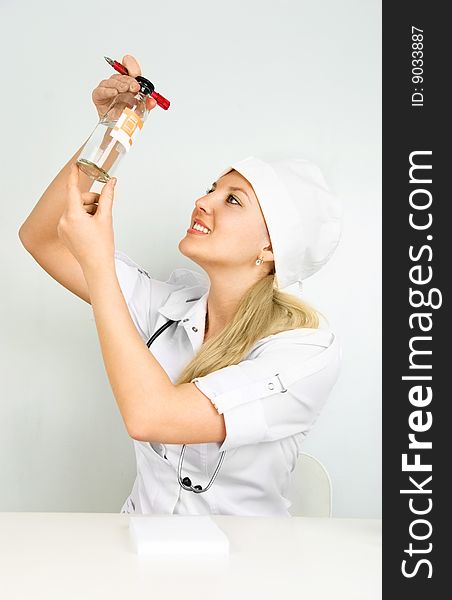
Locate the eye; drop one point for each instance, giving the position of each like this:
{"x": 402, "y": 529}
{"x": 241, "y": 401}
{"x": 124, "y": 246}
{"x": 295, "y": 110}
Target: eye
{"x": 208, "y": 190}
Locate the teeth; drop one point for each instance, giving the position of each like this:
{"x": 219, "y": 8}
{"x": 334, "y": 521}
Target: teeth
{"x": 199, "y": 227}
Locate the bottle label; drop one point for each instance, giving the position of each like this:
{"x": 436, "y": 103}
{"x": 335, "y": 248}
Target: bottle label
{"x": 127, "y": 128}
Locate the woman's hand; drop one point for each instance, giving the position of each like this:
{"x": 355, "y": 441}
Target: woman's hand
{"x": 107, "y": 90}
{"x": 86, "y": 228}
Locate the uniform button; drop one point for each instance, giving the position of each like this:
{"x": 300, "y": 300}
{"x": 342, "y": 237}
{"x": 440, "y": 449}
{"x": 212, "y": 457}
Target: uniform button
{"x": 185, "y": 320}
{"x": 271, "y": 386}
{"x": 195, "y": 328}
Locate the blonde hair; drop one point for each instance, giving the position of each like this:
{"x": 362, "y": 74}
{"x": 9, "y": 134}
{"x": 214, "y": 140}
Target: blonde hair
{"x": 263, "y": 310}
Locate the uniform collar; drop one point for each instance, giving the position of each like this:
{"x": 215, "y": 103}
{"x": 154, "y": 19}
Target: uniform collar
{"x": 189, "y": 307}
{"x": 185, "y": 303}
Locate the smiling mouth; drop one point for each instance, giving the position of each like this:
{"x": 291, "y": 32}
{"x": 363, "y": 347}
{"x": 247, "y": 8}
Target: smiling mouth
{"x": 200, "y": 229}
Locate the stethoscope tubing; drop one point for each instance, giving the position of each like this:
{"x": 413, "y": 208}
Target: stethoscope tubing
{"x": 197, "y": 489}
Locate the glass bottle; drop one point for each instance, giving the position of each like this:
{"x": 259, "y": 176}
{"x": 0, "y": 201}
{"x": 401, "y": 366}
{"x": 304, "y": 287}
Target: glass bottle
{"x": 115, "y": 133}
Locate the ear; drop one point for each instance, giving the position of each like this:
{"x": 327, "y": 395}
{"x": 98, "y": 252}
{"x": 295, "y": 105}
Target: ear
{"x": 267, "y": 253}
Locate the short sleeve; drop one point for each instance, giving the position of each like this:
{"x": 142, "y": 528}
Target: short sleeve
{"x": 136, "y": 285}
{"x": 279, "y": 393}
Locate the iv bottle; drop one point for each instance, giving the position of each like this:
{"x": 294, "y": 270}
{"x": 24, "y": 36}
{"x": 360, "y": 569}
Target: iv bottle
{"x": 115, "y": 133}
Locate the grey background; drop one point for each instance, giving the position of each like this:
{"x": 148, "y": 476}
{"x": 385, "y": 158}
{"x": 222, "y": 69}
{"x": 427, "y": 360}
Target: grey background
{"x": 270, "y": 79}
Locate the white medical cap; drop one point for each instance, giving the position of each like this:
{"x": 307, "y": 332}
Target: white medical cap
{"x": 303, "y": 218}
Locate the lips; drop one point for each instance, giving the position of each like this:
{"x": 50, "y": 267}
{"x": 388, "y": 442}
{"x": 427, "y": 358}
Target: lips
{"x": 201, "y": 223}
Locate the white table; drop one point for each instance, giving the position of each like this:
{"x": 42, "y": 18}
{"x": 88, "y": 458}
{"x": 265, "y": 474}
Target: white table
{"x": 84, "y": 556}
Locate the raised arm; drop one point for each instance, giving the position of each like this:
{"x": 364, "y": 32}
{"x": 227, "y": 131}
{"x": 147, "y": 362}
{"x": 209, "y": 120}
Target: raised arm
{"x": 38, "y": 233}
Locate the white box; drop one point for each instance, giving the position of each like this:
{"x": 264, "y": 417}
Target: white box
{"x": 177, "y": 535}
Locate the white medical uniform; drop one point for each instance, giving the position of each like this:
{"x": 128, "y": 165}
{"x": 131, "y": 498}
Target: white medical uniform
{"x": 265, "y": 426}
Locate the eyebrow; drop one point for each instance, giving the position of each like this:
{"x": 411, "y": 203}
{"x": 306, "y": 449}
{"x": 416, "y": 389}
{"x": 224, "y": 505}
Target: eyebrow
{"x": 234, "y": 189}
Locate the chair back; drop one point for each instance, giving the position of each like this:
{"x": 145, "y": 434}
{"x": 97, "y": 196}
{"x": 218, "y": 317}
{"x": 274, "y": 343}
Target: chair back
{"x": 311, "y": 489}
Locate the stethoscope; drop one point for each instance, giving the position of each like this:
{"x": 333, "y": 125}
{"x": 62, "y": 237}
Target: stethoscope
{"x": 185, "y": 483}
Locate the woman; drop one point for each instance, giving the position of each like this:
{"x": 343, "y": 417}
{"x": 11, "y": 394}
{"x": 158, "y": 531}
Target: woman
{"x": 239, "y": 367}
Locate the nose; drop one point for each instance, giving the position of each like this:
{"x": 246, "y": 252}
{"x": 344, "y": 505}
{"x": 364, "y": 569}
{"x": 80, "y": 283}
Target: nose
{"x": 203, "y": 204}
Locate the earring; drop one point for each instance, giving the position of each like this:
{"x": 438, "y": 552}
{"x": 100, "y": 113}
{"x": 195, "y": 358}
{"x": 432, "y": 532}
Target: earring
{"x": 260, "y": 260}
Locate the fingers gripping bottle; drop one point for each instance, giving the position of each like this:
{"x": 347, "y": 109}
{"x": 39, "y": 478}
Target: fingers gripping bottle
{"x": 115, "y": 133}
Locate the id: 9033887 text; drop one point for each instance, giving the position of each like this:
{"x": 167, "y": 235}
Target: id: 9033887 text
{"x": 417, "y": 65}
